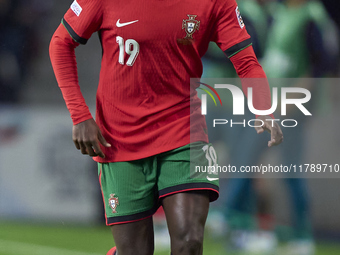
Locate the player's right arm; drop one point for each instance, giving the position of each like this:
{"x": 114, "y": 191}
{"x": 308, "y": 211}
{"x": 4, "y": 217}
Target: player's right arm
{"x": 86, "y": 134}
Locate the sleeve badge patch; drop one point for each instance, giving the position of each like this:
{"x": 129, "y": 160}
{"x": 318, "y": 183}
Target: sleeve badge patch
{"x": 239, "y": 17}
{"x": 76, "y": 8}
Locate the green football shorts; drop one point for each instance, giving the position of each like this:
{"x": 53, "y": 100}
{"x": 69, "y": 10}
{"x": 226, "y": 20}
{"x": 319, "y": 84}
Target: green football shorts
{"x": 132, "y": 190}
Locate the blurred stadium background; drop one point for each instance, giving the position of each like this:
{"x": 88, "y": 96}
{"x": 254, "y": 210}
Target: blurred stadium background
{"x": 50, "y": 201}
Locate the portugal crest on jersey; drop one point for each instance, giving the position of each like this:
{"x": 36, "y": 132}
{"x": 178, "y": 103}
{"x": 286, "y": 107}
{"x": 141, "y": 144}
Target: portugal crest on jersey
{"x": 190, "y": 25}
{"x": 113, "y": 202}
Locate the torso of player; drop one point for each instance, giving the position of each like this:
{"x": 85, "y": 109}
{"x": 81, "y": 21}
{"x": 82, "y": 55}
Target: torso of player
{"x": 146, "y": 103}
{"x": 151, "y": 49}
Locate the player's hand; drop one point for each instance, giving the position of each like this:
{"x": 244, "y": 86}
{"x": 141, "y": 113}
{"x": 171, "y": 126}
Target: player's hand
{"x": 272, "y": 127}
{"x": 87, "y": 138}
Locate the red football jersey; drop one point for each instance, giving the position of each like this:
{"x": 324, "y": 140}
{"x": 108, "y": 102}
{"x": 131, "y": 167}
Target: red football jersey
{"x": 145, "y": 102}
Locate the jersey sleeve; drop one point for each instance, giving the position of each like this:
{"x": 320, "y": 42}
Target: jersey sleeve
{"x": 253, "y": 76}
{"x": 229, "y": 31}
{"x": 83, "y": 18}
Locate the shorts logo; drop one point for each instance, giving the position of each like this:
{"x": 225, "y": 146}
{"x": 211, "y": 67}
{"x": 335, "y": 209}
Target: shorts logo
{"x": 212, "y": 179}
{"x": 76, "y": 8}
{"x": 113, "y": 202}
{"x": 190, "y": 25}
{"x": 239, "y": 18}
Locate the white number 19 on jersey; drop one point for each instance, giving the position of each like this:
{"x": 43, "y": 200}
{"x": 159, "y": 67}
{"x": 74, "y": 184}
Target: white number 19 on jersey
{"x": 131, "y": 47}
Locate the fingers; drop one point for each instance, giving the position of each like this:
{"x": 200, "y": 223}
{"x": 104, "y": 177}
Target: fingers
{"x": 102, "y": 140}
{"x": 276, "y": 136}
{"x": 259, "y": 126}
{"x": 273, "y": 136}
{"x": 271, "y": 143}
{"x": 90, "y": 148}
{"x": 82, "y": 148}
{"x": 98, "y": 150}
{"x": 76, "y": 144}
{"x": 87, "y": 138}
{"x": 259, "y": 130}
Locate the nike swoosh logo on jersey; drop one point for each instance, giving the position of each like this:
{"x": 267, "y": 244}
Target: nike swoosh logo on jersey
{"x": 118, "y": 24}
{"x": 212, "y": 179}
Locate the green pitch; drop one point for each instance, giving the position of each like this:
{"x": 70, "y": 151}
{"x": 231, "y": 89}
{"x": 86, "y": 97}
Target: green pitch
{"x": 39, "y": 239}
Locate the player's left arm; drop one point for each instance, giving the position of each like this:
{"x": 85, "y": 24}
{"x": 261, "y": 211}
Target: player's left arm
{"x": 230, "y": 34}
{"x": 252, "y": 75}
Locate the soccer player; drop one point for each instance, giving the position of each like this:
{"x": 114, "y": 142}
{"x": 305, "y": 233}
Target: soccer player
{"x": 149, "y": 127}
